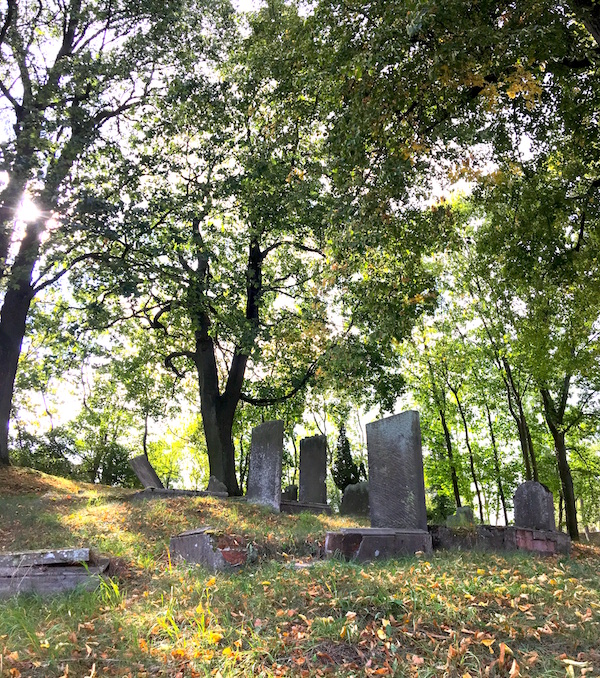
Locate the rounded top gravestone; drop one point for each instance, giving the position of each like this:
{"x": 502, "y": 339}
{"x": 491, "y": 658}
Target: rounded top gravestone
{"x": 534, "y": 506}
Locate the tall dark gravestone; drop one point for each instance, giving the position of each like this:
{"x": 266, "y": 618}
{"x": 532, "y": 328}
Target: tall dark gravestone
{"x": 396, "y": 481}
{"x": 264, "y": 474}
{"x": 313, "y": 470}
{"x": 396, "y": 495}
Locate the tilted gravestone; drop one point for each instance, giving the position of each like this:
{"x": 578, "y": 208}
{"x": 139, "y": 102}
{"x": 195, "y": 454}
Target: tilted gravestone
{"x": 144, "y": 471}
{"x": 313, "y": 470}
{"x": 264, "y": 474}
{"x": 396, "y": 481}
{"x": 534, "y": 506}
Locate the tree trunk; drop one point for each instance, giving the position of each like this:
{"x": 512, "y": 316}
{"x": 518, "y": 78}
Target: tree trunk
{"x": 497, "y": 465}
{"x": 453, "y": 475}
{"x": 515, "y": 396}
{"x": 19, "y": 293}
{"x": 218, "y": 425}
{"x": 471, "y": 460}
{"x": 554, "y": 419}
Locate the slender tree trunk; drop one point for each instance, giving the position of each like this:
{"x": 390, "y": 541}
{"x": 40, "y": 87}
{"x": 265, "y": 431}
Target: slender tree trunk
{"x": 497, "y": 465}
{"x": 554, "y": 419}
{"x": 453, "y": 475}
{"x": 514, "y": 396}
{"x": 13, "y": 316}
{"x": 243, "y": 465}
{"x": 145, "y": 436}
{"x": 534, "y": 468}
{"x": 471, "y": 460}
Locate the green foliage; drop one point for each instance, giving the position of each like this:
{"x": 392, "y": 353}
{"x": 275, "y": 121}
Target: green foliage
{"x": 345, "y": 471}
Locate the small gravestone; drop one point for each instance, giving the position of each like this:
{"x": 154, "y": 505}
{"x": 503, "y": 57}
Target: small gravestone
{"x": 215, "y": 486}
{"x": 462, "y": 518}
{"x": 355, "y": 501}
{"x": 264, "y": 475}
{"x": 313, "y": 470}
{"x": 396, "y": 481}
{"x": 534, "y": 506}
{"x": 290, "y": 493}
{"x": 145, "y": 473}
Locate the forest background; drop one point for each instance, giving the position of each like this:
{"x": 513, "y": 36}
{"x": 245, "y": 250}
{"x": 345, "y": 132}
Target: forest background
{"x": 211, "y": 218}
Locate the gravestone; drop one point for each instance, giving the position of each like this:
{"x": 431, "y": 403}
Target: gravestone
{"x": 144, "y": 471}
{"x": 206, "y": 546}
{"x": 215, "y": 486}
{"x": 290, "y": 493}
{"x": 355, "y": 501}
{"x": 396, "y": 495}
{"x": 534, "y": 506}
{"x": 264, "y": 474}
{"x": 313, "y": 470}
{"x": 396, "y": 481}
{"x": 462, "y": 518}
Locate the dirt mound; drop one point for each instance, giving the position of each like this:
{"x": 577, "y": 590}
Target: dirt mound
{"x": 16, "y": 480}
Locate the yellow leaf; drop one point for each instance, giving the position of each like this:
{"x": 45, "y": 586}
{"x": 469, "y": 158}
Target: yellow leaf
{"x": 211, "y": 582}
{"x": 488, "y": 642}
{"x": 480, "y": 571}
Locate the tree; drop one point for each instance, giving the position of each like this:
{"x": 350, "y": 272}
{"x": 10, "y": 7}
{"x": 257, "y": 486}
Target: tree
{"x": 345, "y": 471}
{"x": 217, "y": 214}
{"x": 67, "y": 69}
{"x": 537, "y": 243}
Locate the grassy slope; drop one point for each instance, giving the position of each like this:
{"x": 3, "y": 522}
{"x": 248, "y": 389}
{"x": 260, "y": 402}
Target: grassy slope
{"x": 447, "y": 615}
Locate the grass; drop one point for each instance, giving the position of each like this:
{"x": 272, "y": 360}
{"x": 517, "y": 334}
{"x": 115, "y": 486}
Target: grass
{"x": 446, "y": 614}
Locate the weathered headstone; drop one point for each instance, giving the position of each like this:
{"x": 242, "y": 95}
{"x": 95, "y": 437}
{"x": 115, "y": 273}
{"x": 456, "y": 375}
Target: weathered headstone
{"x": 215, "y": 486}
{"x": 396, "y": 495}
{"x": 355, "y": 501}
{"x": 396, "y": 481}
{"x": 264, "y": 474}
{"x": 144, "y": 471}
{"x": 290, "y": 493}
{"x": 462, "y": 518}
{"x": 313, "y": 470}
{"x": 534, "y": 506}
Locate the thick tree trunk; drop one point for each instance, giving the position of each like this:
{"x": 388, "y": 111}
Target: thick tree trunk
{"x": 554, "y": 419}
{"x": 218, "y": 424}
{"x": 13, "y": 316}
{"x": 453, "y": 475}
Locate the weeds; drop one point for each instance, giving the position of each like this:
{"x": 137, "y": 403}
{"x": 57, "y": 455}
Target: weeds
{"x": 447, "y": 615}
